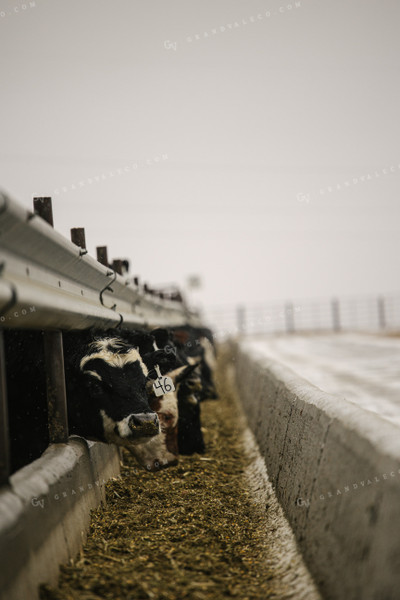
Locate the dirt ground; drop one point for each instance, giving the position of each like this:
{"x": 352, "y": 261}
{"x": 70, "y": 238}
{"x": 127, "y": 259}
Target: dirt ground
{"x": 188, "y": 532}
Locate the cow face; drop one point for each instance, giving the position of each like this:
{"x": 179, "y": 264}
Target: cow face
{"x": 114, "y": 379}
{"x": 162, "y": 451}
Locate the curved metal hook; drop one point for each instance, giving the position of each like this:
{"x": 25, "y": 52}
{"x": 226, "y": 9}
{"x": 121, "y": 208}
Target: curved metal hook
{"x": 121, "y": 320}
{"x": 107, "y": 287}
{"x": 114, "y": 306}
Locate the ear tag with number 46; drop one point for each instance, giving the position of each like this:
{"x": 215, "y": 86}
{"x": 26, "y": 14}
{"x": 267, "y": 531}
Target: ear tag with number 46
{"x": 162, "y": 384}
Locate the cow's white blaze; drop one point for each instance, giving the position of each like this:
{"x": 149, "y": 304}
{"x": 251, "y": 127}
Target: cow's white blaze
{"x": 112, "y": 358}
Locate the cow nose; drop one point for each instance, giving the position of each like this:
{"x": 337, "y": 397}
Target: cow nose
{"x": 144, "y": 424}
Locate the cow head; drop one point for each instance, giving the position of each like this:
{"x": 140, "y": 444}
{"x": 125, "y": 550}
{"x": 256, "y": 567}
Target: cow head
{"x": 162, "y": 450}
{"x": 114, "y": 377}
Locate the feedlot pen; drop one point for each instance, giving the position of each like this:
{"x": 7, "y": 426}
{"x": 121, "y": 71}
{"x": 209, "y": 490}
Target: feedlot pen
{"x": 210, "y": 527}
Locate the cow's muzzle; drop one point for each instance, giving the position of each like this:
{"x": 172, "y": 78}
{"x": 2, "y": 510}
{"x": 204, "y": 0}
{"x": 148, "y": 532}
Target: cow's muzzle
{"x": 144, "y": 425}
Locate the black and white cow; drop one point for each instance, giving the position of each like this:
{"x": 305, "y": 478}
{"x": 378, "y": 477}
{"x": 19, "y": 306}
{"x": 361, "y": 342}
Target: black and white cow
{"x": 106, "y": 381}
{"x": 109, "y": 379}
{"x": 106, "y": 389}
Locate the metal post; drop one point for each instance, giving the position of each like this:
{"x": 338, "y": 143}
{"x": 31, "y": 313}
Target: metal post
{"x": 241, "y": 319}
{"x": 56, "y": 394}
{"x": 54, "y": 360}
{"x": 381, "y": 312}
{"x": 289, "y": 317}
{"x": 43, "y": 208}
{"x": 78, "y": 237}
{"x": 4, "y": 435}
{"x": 102, "y": 255}
{"x": 335, "y": 314}
{"x": 117, "y": 266}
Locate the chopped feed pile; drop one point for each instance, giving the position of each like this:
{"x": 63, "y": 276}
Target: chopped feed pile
{"x": 189, "y": 532}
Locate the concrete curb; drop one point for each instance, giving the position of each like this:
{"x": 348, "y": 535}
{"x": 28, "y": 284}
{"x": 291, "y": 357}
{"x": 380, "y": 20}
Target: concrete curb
{"x": 336, "y": 472}
{"x": 45, "y": 513}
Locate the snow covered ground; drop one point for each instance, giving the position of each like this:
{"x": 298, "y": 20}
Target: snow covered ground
{"x": 364, "y": 369}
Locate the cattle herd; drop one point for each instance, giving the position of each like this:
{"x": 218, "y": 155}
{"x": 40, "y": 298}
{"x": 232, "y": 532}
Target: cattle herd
{"x": 138, "y": 389}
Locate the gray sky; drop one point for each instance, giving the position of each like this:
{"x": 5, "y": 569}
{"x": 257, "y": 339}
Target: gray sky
{"x": 237, "y": 137}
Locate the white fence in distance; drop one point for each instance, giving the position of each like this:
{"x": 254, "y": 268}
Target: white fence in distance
{"x": 360, "y": 313}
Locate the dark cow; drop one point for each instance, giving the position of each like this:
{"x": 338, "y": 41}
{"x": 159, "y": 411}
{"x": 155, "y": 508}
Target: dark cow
{"x": 196, "y": 343}
{"x": 190, "y": 436}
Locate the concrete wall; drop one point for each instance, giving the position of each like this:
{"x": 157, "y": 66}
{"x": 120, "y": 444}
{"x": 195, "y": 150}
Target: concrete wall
{"x": 336, "y": 472}
{"x": 45, "y": 513}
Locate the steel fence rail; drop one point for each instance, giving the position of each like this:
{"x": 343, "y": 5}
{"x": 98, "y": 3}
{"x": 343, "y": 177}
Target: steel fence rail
{"x": 55, "y": 284}
{"x": 359, "y": 313}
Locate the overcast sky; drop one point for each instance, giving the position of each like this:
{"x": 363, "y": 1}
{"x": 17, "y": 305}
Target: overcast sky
{"x": 204, "y": 136}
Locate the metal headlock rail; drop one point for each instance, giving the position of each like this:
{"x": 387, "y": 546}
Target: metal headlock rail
{"x": 56, "y": 285}
{"x": 40, "y": 268}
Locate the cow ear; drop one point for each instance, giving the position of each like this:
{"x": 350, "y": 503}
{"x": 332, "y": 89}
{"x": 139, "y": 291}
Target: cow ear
{"x": 187, "y": 370}
{"x": 151, "y": 376}
{"x": 144, "y": 341}
{"x": 165, "y": 361}
{"x": 179, "y": 374}
{"x": 161, "y": 336}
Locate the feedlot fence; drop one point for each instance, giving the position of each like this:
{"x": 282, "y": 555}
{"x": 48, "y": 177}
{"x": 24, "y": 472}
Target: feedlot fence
{"x": 49, "y": 283}
{"x": 359, "y": 313}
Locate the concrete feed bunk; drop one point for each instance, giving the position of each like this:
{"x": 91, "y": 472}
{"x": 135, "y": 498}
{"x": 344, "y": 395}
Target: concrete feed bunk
{"x": 336, "y": 471}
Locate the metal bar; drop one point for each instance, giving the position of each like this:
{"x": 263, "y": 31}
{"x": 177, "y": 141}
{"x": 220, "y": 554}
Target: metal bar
{"x": 335, "y": 308}
{"x": 241, "y": 319}
{"x": 54, "y": 360}
{"x": 382, "y": 312}
{"x": 117, "y": 265}
{"x": 102, "y": 255}
{"x": 78, "y": 237}
{"x": 43, "y": 208}
{"x": 4, "y": 435}
{"x": 289, "y": 317}
{"x": 56, "y": 393}
{"x": 56, "y": 286}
